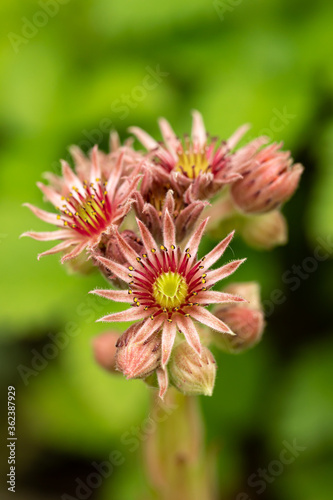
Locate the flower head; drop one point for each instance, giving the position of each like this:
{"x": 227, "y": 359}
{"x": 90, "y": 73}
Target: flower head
{"x": 86, "y": 208}
{"x": 197, "y": 165}
{"x": 269, "y": 177}
{"x": 169, "y": 288}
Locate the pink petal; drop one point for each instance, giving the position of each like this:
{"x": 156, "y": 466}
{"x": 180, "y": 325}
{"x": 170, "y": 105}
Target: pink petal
{"x": 49, "y": 235}
{"x": 194, "y": 241}
{"x": 147, "y": 238}
{"x": 45, "y": 216}
{"x": 75, "y": 252}
{"x": 169, "y": 231}
{"x": 128, "y": 252}
{"x": 212, "y": 297}
{"x": 71, "y": 179}
{"x": 58, "y": 248}
{"x": 145, "y": 139}
{"x": 115, "y": 176}
{"x": 119, "y": 270}
{"x": 218, "y": 251}
{"x": 199, "y": 135}
{"x": 169, "y": 203}
{"x": 148, "y": 328}
{"x": 236, "y": 136}
{"x": 170, "y": 139}
{"x": 127, "y": 187}
{"x": 116, "y": 295}
{"x": 201, "y": 314}
{"x": 216, "y": 275}
{"x": 168, "y": 339}
{"x": 163, "y": 381}
{"x": 131, "y": 314}
{"x": 186, "y": 326}
{"x": 55, "y": 198}
{"x": 96, "y": 168}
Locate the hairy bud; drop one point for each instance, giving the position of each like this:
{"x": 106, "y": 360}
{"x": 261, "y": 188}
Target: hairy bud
{"x": 269, "y": 178}
{"x": 138, "y": 359}
{"x": 104, "y": 348}
{"x": 190, "y": 373}
{"x": 110, "y": 250}
{"x": 265, "y": 231}
{"x": 246, "y": 319}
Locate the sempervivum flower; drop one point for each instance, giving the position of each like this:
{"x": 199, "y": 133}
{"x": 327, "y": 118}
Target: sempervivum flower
{"x": 269, "y": 177}
{"x": 169, "y": 289}
{"x": 198, "y": 164}
{"x": 86, "y": 208}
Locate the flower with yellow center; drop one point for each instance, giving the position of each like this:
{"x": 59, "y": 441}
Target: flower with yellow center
{"x": 169, "y": 289}
{"x": 86, "y": 208}
{"x": 198, "y": 163}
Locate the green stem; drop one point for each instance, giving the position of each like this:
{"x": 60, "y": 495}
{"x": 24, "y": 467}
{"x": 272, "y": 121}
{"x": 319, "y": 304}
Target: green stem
{"x": 177, "y": 466}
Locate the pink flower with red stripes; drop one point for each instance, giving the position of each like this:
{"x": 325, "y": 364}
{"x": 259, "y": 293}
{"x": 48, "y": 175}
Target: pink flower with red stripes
{"x": 87, "y": 207}
{"x": 169, "y": 289}
{"x": 199, "y": 165}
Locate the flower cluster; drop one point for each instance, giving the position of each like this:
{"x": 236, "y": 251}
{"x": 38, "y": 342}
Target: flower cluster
{"x": 154, "y": 263}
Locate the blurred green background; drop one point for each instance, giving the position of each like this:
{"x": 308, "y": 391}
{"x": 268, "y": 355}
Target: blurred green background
{"x": 69, "y": 76}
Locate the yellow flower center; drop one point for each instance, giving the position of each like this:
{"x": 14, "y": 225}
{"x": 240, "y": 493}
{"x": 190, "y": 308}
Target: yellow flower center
{"x": 170, "y": 290}
{"x": 191, "y": 164}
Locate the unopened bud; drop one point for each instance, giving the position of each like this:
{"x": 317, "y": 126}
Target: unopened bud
{"x": 110, "y": 249}
{"x": 265, "y": 231}
{"x": 245, "y": 319}
{"x": 138, "y": 359}
{"x": 191, "y": 374}
{"x": 269, "y": 179}
{"x": 104, "y": 347}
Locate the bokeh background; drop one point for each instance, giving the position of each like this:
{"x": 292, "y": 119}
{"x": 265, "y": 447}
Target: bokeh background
{"x": 69, "y": 77}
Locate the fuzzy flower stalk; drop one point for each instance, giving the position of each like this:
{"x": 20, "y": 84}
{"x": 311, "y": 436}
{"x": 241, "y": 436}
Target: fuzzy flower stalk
{"x": 169, "y": 289}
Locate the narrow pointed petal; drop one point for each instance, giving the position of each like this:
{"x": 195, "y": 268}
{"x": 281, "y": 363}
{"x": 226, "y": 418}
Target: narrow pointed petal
{"x": 115, "y": 176}
{"x": 218, "y": 251}
{"x": 45, "y": 216}
{"x": 203, "y": 316}
{"x": 236, "y": 136}
{"x": 119, "y": 270}
{"x": 49, "y": 235}
{"x": 163, "y": 381}
{"x": 116, "y": 295}
{"x": 128, "y": 252}
{"x": 57, "y": 248}
{"x": 75, "y": 252}
{"x": 145, "y": 139}
{"x": 216, "y": 275}
{"x": 169, "y": 137}
{"x": 198, "y": 129}
{"x": 96, "y": 167}
{"x": 55, "y": 198}
{"x": 168, "y": 339}
{"x": 131, "y": 314}
{"x": 169, "y": 203}
{"x": 146, "y": 236}
{"x": 194, "y": 241}
{"x": 212, "y": 297}
{"x": 71, "y": 179}
{"x": 169, "y": 231}
{"x": 148, "y": 328}
{"x": 186, "y": 326}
